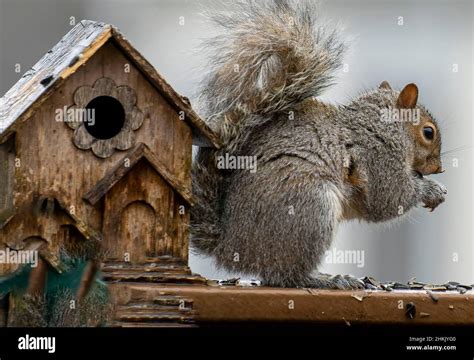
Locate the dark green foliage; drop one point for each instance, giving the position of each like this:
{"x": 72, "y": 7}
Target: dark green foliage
{"x": 58, "y": 307}
{"x": 28, "y": 311}
{"x": 94, "y": 310}
{"x": 61, "y": 309}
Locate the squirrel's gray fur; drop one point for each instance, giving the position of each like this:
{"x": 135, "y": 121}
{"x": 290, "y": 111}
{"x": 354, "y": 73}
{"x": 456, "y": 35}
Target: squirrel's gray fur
{"x": 318, "y": 164}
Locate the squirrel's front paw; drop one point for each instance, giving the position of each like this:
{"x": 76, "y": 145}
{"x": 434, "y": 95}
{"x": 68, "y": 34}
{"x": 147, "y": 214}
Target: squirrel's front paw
{"x": 434, "y": 194}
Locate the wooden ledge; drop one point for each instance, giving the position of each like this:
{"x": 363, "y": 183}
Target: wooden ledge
{"x": 218, "y": 304}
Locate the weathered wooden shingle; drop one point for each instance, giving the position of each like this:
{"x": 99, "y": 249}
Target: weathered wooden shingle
{"x": 46, "y": 72}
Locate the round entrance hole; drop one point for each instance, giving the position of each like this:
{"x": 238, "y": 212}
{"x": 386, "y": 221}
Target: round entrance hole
{"x": 105, "y": 117}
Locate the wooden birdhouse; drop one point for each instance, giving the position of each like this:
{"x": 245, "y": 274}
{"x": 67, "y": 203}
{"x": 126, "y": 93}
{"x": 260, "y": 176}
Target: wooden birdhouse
{"x": 97, "y": 147}
{"x": 95, "y": 160}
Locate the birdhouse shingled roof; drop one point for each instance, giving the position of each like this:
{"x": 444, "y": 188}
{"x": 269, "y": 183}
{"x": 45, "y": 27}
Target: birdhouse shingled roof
{"x": 73, "y": 51}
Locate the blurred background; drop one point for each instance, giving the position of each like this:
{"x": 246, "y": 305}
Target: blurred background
{"x": 428, "y": 42}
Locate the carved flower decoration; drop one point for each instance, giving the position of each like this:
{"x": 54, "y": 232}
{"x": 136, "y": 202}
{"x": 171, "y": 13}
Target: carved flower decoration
{"x": 104, "y": 117}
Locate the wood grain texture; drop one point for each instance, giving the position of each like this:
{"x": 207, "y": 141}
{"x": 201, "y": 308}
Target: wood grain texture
{"x": 37, "y": 279}
{"x": 7, "y": 177}
{"x": 40, "y": 228}
{"x": 68, "y": 56}
{"x": 137, "y": 220}
{"x": 203, "y": 135}
{"x": 87, "y": 279}
{"x": 3, "y": 310}
{"x": 231, "y": 304}
{"x": 125, "y": 139}
{"x": 141, "y": 151}
{"x": 60, "y": 62}
{"x": 51, "y": 166}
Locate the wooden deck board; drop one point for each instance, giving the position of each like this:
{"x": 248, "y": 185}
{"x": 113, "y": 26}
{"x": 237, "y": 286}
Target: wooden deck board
{"x": 217, "y": 304}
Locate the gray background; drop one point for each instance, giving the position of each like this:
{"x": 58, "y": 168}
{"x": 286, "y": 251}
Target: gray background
{"x": 435, "y": 35}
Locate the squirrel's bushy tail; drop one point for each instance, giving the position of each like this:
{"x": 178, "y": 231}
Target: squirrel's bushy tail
{"x": 269, "y": 56}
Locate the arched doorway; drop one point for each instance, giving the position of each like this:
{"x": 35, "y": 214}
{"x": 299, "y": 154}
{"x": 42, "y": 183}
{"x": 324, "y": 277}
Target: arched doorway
{"x": 137, "y": 231}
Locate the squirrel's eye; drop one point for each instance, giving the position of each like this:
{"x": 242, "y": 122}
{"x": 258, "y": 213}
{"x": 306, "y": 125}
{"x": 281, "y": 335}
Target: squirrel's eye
{"x": 428, "y": 132}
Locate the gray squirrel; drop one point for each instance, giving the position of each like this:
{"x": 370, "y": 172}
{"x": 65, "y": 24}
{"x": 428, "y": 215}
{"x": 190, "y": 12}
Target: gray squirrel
{"x": 318, "y": 164}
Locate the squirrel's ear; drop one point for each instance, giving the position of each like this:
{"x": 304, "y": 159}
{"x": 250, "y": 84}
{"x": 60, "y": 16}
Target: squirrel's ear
{"x": 408, "y": 97}
{"x": 385, "y": 85}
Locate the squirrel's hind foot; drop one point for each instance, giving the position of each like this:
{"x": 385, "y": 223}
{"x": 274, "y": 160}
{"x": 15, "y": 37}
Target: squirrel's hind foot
{"x": 320, "y": 281}
{"x": 335, "y": 282}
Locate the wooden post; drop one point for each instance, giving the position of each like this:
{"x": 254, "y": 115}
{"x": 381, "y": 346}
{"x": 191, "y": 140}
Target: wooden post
{"x": 87, "y": 279}
{"x": 4, "y": 311}
{"x": 37, "y": 280}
